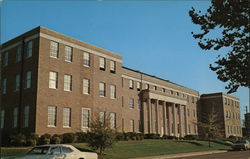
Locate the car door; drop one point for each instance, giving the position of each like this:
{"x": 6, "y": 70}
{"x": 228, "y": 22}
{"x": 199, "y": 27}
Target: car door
{"x": 69, "y": 153}
{"x": 56, "y": 153}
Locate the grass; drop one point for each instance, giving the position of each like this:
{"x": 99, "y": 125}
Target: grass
{"x": 130, "y": 149}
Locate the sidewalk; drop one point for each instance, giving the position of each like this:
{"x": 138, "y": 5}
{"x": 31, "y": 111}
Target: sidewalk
{"x": 181, "y": 155}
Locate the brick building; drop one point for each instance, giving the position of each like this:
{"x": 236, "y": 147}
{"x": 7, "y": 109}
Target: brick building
{"x": 52, "y": 83}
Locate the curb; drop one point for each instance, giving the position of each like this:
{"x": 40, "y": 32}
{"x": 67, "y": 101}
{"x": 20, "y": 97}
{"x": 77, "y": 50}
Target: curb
{"x": 189, "y": 154}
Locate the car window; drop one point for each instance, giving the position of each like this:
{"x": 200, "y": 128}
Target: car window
{"x": 67, "y": 150}
{"x": 39, "y": 150}
{"x": 55, "y": 150}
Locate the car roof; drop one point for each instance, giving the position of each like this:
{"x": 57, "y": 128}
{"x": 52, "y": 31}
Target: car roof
{"x": 53, "y": 145}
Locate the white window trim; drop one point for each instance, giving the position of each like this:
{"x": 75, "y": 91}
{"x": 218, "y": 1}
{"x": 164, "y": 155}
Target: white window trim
{"x": 84, "y": 127}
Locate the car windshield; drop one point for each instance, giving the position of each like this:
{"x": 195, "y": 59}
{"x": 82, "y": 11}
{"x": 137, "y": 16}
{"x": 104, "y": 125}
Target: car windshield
{"x": 39, "y": 150}
{"x": 240, "y": 141}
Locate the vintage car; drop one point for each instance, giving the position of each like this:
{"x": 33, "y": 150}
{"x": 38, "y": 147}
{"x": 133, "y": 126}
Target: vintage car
{"x": 241, "y": 145}
{"x": 58, "y": 151}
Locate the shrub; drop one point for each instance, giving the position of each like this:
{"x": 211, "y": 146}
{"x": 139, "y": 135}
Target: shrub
{"x": 191, "y": 137}
{"x": 32, "y": 139}
{"x": 18, "y": 140}
{"x": 81, "y": 137}
{"x": 69, "y": 138}
{"x": 44, "y": 139}
{"x": 169, "y": 137}
{"x": 152, "y": 136}
{"x": 120, "y": 136}
{"x": 56, "y": 139}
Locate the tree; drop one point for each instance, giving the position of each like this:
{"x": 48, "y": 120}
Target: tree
{"x": 101, "y": 136}
{"x": 231, "y": 19}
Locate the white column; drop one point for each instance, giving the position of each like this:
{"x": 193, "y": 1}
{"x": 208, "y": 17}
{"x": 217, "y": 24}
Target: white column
{"x": 157, "y": 117}
{"x": 180, "y": 120}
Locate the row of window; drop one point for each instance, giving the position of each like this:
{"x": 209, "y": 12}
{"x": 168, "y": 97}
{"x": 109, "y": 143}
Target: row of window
{"x": 231, "y": 102}
{"x": 232, "y": 115}
{"x": 179, "y": 128}
{"x": 27, "y": 82}
{"x": 233, "y": 129}
{"x": 28, "y": 54}
{"x": 68, "y": 56}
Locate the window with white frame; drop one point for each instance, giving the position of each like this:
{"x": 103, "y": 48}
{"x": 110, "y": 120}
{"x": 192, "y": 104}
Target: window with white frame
{"x": 102, "y": 91}
{"x": 85, "y": 118}
{"x": 27, "y": 80}
{"x": 68, "y": 54}
{"x": 54, "y": 51}
{"x": 29, "y": 49}
{"x": 2, "y": 119}
{"x": 138, "y": 86}
{"x": 15, "y": 117}
{"x": 5, "y": 59}
{"x": 112, "y": 66}
{"x": 112, "y": 120}
{"x": 67, "y": 83}
{"x": 131, "y": 84}
{"x": 53, "y": 78}
{"x": 66, "y": 117}
{"x": 131, "y": 103}
{"x": 26, "y": 116}
{"x": 52, "y": 115}
{"x": 102, "y": 117}
{"x": 155, "y": 88}
{"x": 86, "y": 86}
{"x": 112, "y": 91}
{"x": 86, "y": 59}
{"x": 4, "y": 86}
{"x": 132, "y": 126}
{"x": 17, "y": 82}
{"x": 18, "y": 54}
{"x": 102, "y": 63}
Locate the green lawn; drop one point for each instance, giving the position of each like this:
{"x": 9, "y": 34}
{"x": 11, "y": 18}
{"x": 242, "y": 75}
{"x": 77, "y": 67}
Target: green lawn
{"x": 129, "y": 149}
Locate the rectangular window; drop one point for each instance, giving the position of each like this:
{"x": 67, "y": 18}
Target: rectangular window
{"x": 4, "y": 86}
{"x": 17, "y": 83}
{"x": 132, "y": 126}
{"x": 147, "y": 86}
{"x": 177, "y": 94}
{"x": 131, "y": 103}
{"x": 86, "y": 86}
{"x": 112, "y": 66}
{"x": 54, "y": 49}
{"x": 27, "y": 80}
{"x": 102, "y": 63}
{"x": 112, "y": 91}
{"x": 102, "y": 117}
{"x": 53, "y": 78}
{"x": 155, "y": 88}
{"x": 85, "y": 118}
{"x": 18, "y": 54}
{"x": 131, "y": 84}
{"x": 188, "y": 112}
{"x": 192, "y": 99}
{"x": 2, "y": 119}
{"x": 163, "y": 90}
{"x": 6, "y": 59}
{"x": 138, "y": 86}
{"x": 171, "y": 92}
{"x": 68, "y": 54}
{"x": 189, "y": 129}
{"x": 52, "y": 115}
{"x": 194, "y": 112}
{"x": 29, "y": 49}
{"x": 112, "y": 120}
{"x": 26, "y": 116}
{"x": 139, "y": 104}
{"x": 66, "y": 117}
{"x": 195, "y": 130}
{"x": 102, "y": 90}
{"x": 67, "y": 83}
{"x": 86, "y": 59}
{"x": 15, "y": 117}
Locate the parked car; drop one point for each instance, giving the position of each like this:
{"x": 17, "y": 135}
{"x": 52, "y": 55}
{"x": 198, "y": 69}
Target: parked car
{"x": 241, "y": 145}
{"x": 58, "y": 151}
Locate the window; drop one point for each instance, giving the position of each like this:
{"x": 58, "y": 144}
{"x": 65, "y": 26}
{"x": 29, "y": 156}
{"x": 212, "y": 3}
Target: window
{"x": 4, "y": 86}
{"x": 68, "y": 54}
{"x": 112, "y": 91}
{"x": 66, "y": 117}
{"x": 163, "y": 90}
{"x": 54, "y": 49}
{"x": 189, "y": 129}
{"x": 178, "y": 128}
{"x": 66, "y": 150}
{"x": 102, "y": 63}
{"x": 2, "y": 119}
{"x": 132, "y": 127}
{"x": 188, "y": 112}
{"x": 177, "y": 94}
{"x": 85, "y": 118}
{"x": 52, "y": 111}
{"x": 112, "y": 120}
{"x": 155, "y": 88}
{"x": 26, "y": 116}
{"x": 102, "y": 91}
{"x": 112, "y": 66}
{"x": 17, "y": 83}
{"x": 147, "y": 86}
{"x": 67, "y": 83}
{"x": 171, "y": 92}
{"x": 18, "y": 54}
{"x": 131, "y": 84}
{"x": 194, "y": 113}
{"x": 195, "y": 130}
{"x": 6, "y": 59}
{"x": 192, "y": 99}
{"x": 225, "y": 100}
{"x": 138, "y": 86}
{"x": 29, "y": 49}
{"x": 139, "y": 104}
{"x": 15, "y": 117}
{"x": 86, "y": 59}
{"x": 102, "y": 117}
{"x": 27, "y": 80}
{"x": 86, "y": 86}
{"x": 53, "y": 78}
{"x": 131, "y": 103}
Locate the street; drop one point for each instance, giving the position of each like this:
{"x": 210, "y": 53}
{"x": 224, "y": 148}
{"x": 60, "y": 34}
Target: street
{"x": 224, "y": 155}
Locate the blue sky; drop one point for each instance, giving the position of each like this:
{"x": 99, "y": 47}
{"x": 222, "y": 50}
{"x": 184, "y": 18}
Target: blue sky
{"x": 152, "y": 36}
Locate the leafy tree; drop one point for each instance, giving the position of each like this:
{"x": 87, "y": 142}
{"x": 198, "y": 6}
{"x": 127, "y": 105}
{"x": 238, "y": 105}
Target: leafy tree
{"x": 231, "y": 19}
{"x": 101, "y": 136}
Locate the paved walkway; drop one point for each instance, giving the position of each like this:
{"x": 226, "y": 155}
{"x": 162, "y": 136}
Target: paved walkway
{"x": 181, "y": 155}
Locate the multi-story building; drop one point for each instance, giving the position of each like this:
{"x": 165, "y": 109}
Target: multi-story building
{"x": 52, "y": 83}
{"x": 247, "y": 125}
{"x": 227, "y": 109}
